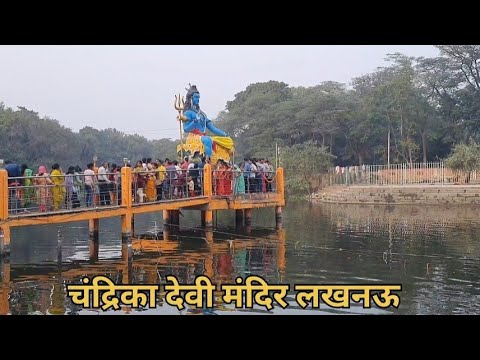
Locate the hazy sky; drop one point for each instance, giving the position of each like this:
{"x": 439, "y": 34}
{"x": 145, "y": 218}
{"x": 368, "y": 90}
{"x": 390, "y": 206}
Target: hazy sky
{"x": 132, "y": 88}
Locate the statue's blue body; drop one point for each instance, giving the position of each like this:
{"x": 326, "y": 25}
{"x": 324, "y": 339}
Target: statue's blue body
{"x": 197, "y": 122}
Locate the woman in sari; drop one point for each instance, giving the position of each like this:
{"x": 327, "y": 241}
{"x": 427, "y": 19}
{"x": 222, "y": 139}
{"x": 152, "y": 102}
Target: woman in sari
{"x": 58, "y": 188}
{"x": 223, "y": 179}
{"x": 227, "y": 179}
{"x": 239, "y": 181}
{"x": 41, "y": 182}
{"x": 218, "y": 178}
{"x": 28, "y": 183}
{"x": 151, "y": 190}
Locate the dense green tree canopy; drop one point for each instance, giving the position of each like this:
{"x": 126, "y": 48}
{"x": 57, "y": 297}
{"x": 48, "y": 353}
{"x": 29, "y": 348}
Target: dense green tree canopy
{"x": 26, "y": 138}
{"x": 422, "y": 105}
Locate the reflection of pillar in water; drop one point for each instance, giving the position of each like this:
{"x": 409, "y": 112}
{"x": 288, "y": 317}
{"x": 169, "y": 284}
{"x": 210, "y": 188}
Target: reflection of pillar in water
{"x": 208, "y": 219}
{"x": 238, "y": 218}
{"x": 281, "y": 251}
{"x": 225, "y": 266}
{"x": 248, "y": 220}
{"x": 208, "y": 266}
{"x": 248, "y": 217}
{"x": 390, "y": 243}
{"x": 57, "y": 305}
{"x": 4, "y": 285}
{"x": 4, "y": 240}
{"x": 59, "y": 246}
{"x": 127, "y": 260}
{"x": 210, "y": 272}
{"x": 93, "y": 250}
{"x": 58, "y": 294}
{"x": 175, "y": 220}
{"x": 209, "y": 235}
{"x": 278, "y": 217}
{"x": 133, "y": 225}
{"x": 166, "y": 220}
{"x": 166, "y": 235}
{"x": 93, "y": 227}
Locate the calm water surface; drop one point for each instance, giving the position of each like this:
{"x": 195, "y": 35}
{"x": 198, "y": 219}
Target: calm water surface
{"x": 434, "y": 252}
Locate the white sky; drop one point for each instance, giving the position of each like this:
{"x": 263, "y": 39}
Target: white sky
{"x": 132, "y": 88}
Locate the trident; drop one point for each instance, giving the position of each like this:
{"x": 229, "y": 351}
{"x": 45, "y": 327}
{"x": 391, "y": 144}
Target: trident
{"x": 179, "y": 106}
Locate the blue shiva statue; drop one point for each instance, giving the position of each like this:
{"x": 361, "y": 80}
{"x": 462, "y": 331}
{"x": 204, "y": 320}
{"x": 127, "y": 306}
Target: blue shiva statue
{"x": 197, "y": 122}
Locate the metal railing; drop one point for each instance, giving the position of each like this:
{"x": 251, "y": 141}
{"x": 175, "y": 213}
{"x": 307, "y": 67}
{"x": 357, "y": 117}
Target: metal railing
{"x": 40, "y": 194}
{"x": 239, "y": 184}
{"x": 148, "y": 187}
{"x": 51, "y": 193}
{"x": 399, "y": 174}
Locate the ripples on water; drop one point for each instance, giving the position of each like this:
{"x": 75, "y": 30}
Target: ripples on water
{"x": 433, "y": 252}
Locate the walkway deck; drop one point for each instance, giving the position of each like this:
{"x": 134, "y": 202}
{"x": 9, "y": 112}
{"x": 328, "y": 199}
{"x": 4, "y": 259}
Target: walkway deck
{"x": 207, "y": 202}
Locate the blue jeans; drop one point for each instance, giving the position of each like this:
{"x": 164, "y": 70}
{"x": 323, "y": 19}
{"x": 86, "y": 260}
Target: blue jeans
{"x": 88, "y": 195}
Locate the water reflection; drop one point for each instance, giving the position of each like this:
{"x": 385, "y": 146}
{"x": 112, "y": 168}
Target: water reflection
{"x": 434, "y": 252}
{"x": 39, "y": 288}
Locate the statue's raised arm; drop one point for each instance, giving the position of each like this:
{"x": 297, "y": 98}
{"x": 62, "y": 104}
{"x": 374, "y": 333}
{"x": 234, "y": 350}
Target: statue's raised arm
{"x": 196, "y": 124}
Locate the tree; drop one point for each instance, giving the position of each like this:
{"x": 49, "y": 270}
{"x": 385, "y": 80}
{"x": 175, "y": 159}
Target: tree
{"x": 464, "y": 157}
{"x": 302, "y": 163}
{"x": 27, "y": 138}
{"x": 465, "y": 59}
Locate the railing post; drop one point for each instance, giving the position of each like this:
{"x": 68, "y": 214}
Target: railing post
{"x": 207, "y": 215}
{"x": 127, "y": 219}
{"x": 207, "y": 180}
{"x": 126, "y": 177}
{"x": 3, "y": 195}
{"x": 4, "y": 226}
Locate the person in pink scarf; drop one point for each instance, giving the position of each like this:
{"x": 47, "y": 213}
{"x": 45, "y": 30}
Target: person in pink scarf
{"x": 42, "y": 180}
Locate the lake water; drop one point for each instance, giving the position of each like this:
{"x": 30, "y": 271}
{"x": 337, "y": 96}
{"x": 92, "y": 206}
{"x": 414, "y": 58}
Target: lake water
{"x": 433, "y": 252}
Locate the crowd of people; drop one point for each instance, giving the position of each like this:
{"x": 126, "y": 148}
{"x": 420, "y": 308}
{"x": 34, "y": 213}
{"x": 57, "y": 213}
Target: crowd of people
{"x": 251, "y": 176}
{"x": 153, "y": 180}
